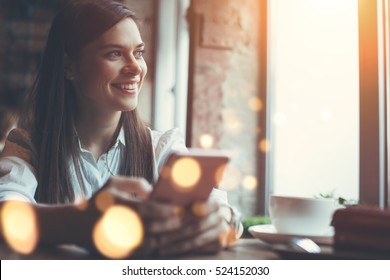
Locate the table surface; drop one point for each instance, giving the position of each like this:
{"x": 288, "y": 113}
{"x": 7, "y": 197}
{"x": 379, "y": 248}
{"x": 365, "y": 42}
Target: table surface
{"x": 245, "y": 249}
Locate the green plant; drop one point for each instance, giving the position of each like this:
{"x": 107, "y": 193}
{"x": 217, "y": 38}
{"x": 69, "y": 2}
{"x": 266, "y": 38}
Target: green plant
{"x": 255, "y": 220}
{"x": 340, "y": 200}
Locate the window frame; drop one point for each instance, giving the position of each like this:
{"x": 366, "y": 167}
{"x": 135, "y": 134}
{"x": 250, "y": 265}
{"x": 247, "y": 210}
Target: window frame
{"x": 373, "y": 177}
{"x": 374, "y": 79}
{"x": 263, "y": 159}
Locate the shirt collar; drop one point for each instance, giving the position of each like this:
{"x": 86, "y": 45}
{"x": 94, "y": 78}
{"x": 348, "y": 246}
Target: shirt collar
{"x": 119, "y": 139}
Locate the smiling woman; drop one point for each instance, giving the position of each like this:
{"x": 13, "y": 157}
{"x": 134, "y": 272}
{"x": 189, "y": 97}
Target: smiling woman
{"x": 111, "y": 72}
{"x": 83, "y": 161}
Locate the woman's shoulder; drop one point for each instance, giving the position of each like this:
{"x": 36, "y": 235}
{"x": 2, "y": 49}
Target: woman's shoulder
{"x": 166, "y": 136}
{"x": 166, "y": 141}
{"x": 18, "y": 144}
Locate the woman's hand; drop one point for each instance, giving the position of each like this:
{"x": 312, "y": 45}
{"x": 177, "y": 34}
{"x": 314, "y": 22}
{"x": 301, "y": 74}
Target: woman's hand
{"x": 132, "y": 188}
{"x": 203, "y": 229}
{"x": 118, "y": 190}
{"x": 168, "y": 229}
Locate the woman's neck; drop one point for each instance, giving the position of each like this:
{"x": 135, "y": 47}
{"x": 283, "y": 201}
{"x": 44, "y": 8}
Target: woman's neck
{"x": 97, "y": 133}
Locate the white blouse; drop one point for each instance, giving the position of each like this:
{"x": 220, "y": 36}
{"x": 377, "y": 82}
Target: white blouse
{"x": 18, "y": 176}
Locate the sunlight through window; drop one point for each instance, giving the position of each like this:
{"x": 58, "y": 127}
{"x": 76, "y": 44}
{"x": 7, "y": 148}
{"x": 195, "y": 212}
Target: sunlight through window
{"x": 314, "y": 97}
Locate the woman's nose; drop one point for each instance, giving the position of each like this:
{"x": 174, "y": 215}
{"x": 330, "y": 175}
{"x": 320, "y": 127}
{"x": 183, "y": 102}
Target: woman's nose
{"x": 132, "y": 67}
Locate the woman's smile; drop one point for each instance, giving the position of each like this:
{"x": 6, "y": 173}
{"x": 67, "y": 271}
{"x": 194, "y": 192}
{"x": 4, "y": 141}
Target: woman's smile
{"x": 127, "y": 88}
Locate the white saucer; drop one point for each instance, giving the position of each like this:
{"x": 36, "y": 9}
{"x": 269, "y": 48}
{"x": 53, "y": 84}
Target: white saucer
{"x": 268, "y": 234}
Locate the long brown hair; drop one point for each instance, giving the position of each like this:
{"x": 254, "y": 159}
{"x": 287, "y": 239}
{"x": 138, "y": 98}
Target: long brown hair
{"x": 52, "y": 100}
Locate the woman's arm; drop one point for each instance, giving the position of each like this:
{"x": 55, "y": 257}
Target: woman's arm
{"x": 33, "y": 224}
{"x": 40, "y": 224}
{"x": 67, "y": 224}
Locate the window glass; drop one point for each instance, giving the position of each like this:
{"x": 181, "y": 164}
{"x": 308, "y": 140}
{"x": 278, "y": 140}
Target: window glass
{"x": 314, "y": 97}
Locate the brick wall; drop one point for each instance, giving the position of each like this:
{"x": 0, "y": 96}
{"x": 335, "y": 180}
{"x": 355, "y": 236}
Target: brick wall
{"x": 224, "y": 89}
{"x": 22, "y": 38}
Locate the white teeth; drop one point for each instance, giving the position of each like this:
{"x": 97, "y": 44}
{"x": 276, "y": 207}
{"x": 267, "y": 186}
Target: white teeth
{"x": 128, "y": 86}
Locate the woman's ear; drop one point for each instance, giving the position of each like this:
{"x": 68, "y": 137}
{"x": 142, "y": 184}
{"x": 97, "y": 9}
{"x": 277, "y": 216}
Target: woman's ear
{"x": 69, "y": 68}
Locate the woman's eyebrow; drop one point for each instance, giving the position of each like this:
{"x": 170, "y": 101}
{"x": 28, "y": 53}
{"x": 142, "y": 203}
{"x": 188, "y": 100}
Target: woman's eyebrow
{"x": 119, "y": 46}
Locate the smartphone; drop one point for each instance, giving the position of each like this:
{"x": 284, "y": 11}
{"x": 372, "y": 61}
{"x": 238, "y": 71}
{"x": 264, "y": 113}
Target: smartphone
{"x": 190, "y": 176}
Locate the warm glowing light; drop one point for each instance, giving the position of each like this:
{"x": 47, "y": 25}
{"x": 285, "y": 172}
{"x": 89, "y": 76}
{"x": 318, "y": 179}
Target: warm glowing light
{"x": 249, "y": 182}
{"x": 104, "y": 200}
{"x": 234, "y": 126}
{"x": 279, "y": 118}
{"x": 264, "y": 145}
{"x": 19, "y": 225}
{"x": 81, "y": 203}
{"x": 326, "y": 115}
{"x": 206, "y": 141}
{"x": 255, "y": 104}
{"x": 332, "y": 6}
{"x": 186, "y": 172}
{"x": 232, "y": 121}
{"x": 294, "y": 108}
{"x": 199, "y": 210}
{"x": 118, "y": 233}
{"x": 166, "y": 172}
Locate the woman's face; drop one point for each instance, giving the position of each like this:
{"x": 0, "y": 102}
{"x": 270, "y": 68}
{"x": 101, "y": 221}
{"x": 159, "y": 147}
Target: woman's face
{"x": 111, "y": 69}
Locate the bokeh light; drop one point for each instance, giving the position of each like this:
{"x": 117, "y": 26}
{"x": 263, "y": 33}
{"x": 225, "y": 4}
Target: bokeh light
{"x": 19, "y": 225}
{"x": 81, "y": 203}
{"x": 249, "y": 182}
{"x": 264, "y": 146}
{"x": 232, "y": 121}
{"x": 186, "y": 172}
{"x": 104, "y": 200}
{"x": 255, "y": 104}
{"x": 166, "y": 172}
{"x": 206, "y": 141}
{"x": 118, "y": 233}
{"x": 199, "y": 210}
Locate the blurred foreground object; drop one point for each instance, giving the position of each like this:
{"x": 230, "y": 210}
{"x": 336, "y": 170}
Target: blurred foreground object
{"x": 364, "y": 228}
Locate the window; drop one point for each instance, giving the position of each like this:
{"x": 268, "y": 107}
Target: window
{"x": 327, "y": 86}
{"x": 171, "y": 74}
{"x": 314, "y": 97}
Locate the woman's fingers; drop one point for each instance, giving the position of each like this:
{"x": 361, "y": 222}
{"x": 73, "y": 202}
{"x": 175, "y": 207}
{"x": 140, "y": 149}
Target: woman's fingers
{"x": 159, "y": 210}
{"x": 192, "y": 228}
{"x": 165, "y": 226}
{"x": 204, "y": 208}
{"x": 214, "y": 237}
{"x": 129, "y": 187}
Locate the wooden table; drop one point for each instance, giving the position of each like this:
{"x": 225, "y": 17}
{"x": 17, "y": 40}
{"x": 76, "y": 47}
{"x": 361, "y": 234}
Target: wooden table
{"x": 245, "y": 249}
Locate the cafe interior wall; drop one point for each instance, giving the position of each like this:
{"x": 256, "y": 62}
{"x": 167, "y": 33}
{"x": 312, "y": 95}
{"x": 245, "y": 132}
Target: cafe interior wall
{"x": 223, "y": 90}
{"x": 224, "y": 72}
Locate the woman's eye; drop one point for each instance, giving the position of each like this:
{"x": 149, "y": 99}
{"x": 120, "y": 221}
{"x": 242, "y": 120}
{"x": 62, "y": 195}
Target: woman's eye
{"x": 139, "y": 54}
{"x": 114, "y": 54}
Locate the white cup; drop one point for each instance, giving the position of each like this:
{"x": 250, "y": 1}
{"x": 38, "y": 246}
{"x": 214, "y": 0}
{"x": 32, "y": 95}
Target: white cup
{"x": 301, "y": 215}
